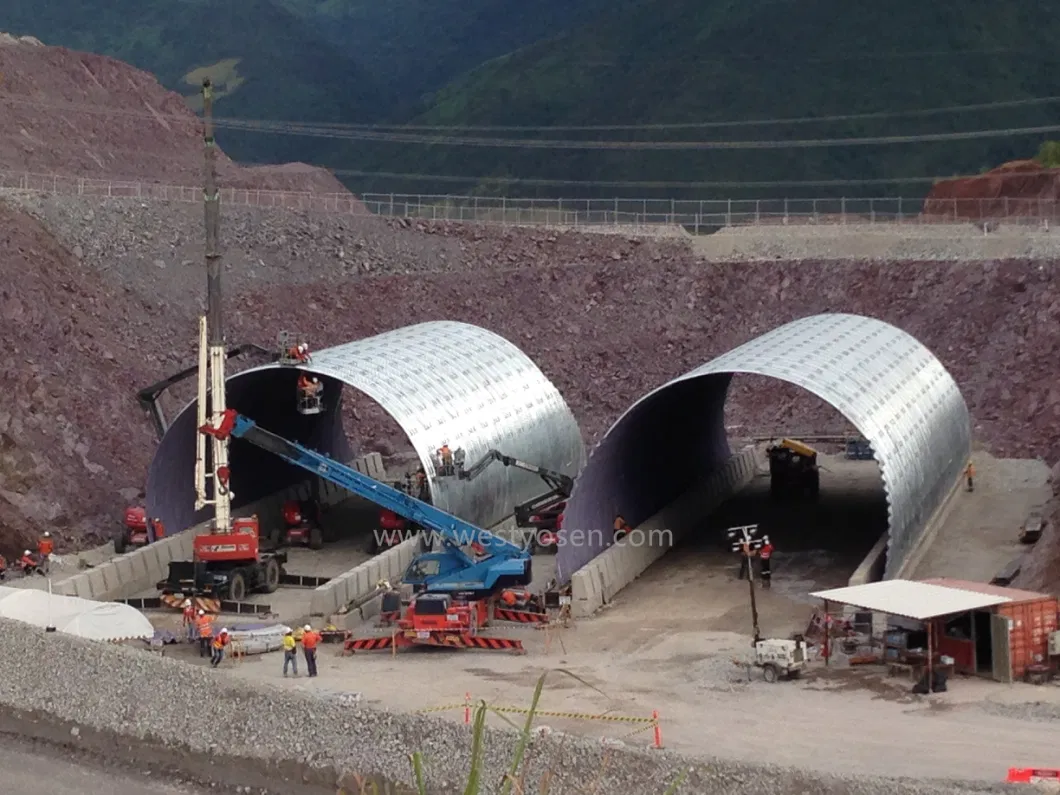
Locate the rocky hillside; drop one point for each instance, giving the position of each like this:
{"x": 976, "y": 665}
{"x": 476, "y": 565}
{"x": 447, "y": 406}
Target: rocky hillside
{"x": 84, "y": 115}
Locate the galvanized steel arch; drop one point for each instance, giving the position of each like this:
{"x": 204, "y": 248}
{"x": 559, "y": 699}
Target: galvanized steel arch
{"x": 892, "y": 388}
{"x": 441, "y": 381}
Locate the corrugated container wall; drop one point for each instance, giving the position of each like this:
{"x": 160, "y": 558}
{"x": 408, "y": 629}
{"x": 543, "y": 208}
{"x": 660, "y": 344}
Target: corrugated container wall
{"x": 1031, "y": 623}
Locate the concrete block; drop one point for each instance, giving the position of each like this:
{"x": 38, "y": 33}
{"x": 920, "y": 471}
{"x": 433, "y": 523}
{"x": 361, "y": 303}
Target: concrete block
{"x": 374, "y": 465}
{"x": 111, "y": 579}
{"x": 370, "y": 609}
{"x": 155, "y": 570}
{"x": 322, "y": 602}
{"x": 361, "y": 583}
{"x": 82, "y": 586}
{"x": 375, "y": 570}
{"x": 138, "y": 564}
{"x": 96, "y": 584}
{"x": 65, "y": 588}
{"x": 124, "y": 567}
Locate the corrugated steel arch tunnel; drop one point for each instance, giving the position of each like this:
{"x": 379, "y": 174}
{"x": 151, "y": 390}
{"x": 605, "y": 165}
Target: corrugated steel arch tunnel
{"x": 442, "y": 382}
{"x": 892, "y": 388}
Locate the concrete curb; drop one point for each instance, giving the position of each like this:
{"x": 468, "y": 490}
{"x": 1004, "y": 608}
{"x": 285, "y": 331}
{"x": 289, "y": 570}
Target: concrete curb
{"x": 598, "y": 581}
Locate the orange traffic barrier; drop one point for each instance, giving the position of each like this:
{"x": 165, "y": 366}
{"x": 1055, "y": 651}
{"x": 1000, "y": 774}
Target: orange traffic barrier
{"x": 1033, "y": 775}
{"x": 519, "y": 616}
{"x": 657, "y": 727}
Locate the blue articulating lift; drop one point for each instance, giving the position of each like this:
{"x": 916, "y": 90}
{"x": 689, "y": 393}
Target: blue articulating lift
{"x": 450, "y": 570}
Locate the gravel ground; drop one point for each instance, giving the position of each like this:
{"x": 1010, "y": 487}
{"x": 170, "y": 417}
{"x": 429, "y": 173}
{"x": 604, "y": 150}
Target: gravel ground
{"x": 890, "y": 242}
{"x": 1038, "y": 711}
{"x": 146, "y": 698}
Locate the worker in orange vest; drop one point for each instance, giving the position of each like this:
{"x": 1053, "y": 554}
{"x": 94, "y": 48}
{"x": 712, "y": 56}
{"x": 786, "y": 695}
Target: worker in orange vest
{"x": 45, "y": 546}
{"x": 3, "y": 567}
{"x": 219, "y": 644}
{"x": 969, "y": 474}
{"x": 310, "y": 641}
{"x": 190, "y": 629}
{"x": 205, "y": 626}
{"x": 621, "y": 527}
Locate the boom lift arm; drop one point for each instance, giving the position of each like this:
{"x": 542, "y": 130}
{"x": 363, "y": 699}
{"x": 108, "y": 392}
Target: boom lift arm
{"x": 507, "y": 563}
{"x": 557, "y": 481}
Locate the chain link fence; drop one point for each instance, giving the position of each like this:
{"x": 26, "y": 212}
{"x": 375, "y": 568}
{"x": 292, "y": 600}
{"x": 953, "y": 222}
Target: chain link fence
{"x": 696, "y": 216}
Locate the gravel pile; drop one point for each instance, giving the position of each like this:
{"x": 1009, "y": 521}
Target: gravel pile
{"x": 941, "y": 242}
{"x": 146, "y": 698}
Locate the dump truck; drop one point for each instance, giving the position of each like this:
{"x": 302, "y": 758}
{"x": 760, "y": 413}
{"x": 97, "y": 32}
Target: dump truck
{"x": 793, "y": 470}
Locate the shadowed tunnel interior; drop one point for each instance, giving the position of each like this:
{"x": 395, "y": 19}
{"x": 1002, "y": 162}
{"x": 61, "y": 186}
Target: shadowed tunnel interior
{"x": 884, "y": 382}
{"x": 269, "y": 397}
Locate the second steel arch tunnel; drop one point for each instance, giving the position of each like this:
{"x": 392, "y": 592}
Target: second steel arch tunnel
{"x": 888, "y": 385}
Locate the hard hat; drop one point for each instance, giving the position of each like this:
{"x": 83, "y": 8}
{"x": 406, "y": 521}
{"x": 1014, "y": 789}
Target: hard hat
{"x": 316, "y": 380}
{"x": 224, "y": 631}
{"x": 187, "y": 602}
{"x": 202, "y": 612}
{"x": 307, "y": 628}
{"x": 288, "y": 632}
{"x": 47, "y": 534}
{"x": 27, "y": 552}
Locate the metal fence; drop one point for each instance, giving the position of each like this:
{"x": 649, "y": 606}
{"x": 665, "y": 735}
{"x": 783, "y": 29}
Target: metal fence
{"x": 694, "y": 215}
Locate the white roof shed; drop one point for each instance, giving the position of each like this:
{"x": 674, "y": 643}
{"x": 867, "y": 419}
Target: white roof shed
{"x": 74, "y": 616}
{"x": 911, "y": 599}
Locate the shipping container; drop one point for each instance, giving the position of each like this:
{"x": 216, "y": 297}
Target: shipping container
{"x": 1030, "y": 623}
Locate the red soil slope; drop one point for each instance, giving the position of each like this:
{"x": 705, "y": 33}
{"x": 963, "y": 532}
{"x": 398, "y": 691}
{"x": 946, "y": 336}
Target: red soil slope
{"x": 1020, "y": 189}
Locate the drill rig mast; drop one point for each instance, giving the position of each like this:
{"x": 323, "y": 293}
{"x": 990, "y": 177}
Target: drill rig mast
{"x": 211, "y": 341}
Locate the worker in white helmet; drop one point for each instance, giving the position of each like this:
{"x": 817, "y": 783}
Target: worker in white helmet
{"x": 219, "y": 644}
{"x": 310, "y": 641}
{"x": 204, "y": 623}
{"x": 28, "y": 563}
{"x": 189, "y": 620}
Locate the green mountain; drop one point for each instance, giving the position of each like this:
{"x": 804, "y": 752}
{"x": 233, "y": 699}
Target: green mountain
{"x": 413, "y": 47}
{"x": 266, "y": 62}
{"x": 678, "y": 61}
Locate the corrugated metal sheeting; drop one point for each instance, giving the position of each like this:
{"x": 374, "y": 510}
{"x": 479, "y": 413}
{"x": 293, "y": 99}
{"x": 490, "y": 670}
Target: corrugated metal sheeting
{"x": 911, "y": 599}
{"x": 894, "y": 390}
{"x": 442, "y": 382}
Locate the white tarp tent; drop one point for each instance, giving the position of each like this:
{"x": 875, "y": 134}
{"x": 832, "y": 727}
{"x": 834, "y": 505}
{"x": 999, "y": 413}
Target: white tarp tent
{"x": 74, "y": 616}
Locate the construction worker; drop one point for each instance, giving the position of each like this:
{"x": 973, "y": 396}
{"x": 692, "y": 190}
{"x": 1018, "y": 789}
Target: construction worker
{"x": 298, "y": 353}
{"x": 28, "y": 564}
{"x": 445, "y": 458}
{"x": 310, "y": 641}
{"x": 765, "y": 556}
{"x": 219, "y": 644}
{"x": 3, "y": 567}
{"x": 423, "y": 493}
{"x": 290, "y": 653}
{"x": 159, "y": 528}
{"x": 190, "y": 629}
{"x": 969, "y": 474}
{"x": 45, "y": 547}
{"x": 204, "y": 623}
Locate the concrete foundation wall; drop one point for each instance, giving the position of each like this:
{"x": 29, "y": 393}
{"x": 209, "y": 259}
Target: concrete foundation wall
{"x": 360, "y": 581}
{"x": 126, "y": 575}
{"x": 596, "y": 583}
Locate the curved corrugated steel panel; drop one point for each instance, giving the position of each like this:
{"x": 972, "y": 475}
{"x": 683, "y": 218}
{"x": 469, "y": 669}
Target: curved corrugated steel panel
{"x": 442, "y": 382}
{"x": 894, "y": 391}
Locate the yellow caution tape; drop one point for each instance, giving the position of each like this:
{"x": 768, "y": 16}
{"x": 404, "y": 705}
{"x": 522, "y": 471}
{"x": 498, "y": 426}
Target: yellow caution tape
{"x": 649, "y": 722}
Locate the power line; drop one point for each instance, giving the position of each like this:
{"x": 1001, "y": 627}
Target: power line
{"x": 328, "y": 129}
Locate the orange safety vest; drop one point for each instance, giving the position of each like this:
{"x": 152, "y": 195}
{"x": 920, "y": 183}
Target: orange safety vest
{"x": 220, "y": 641}
{"x": 45, "y": 547}
{"x": 969, "y": 471}
{"x": 205, "y": 624}
{"x": 310, "y": 640}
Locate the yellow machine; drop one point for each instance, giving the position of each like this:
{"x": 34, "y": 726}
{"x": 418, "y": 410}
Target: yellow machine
{"x": 793, "y": 470}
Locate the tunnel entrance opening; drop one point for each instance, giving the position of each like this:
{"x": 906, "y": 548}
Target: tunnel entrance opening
{"x": 819, "y": 541}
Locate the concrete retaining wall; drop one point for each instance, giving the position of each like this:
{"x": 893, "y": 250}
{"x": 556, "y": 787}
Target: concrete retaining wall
{"x": 126, "y": 575}
{"x": 360, "y": 581}
{"x": 596, "y": 583}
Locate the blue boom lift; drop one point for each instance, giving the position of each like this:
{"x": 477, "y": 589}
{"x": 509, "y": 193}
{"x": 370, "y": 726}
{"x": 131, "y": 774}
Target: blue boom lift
{"x": 450, "y": 570}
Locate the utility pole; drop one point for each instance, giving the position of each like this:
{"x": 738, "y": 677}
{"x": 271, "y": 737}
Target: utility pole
{"x": 745, "y": 542}
{"x": 211, "y": 337}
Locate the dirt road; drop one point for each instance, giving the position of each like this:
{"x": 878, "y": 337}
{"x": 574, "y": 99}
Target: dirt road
{"x": 32, "y": 771}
